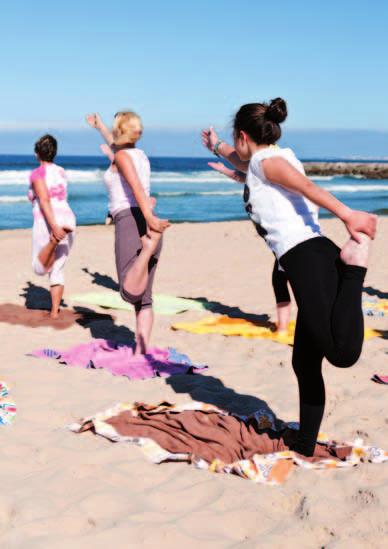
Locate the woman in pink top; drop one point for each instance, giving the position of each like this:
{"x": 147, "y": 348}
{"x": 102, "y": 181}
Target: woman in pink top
{"x": 54, "y": 221}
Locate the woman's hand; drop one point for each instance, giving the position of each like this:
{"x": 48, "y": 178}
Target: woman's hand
{"x": 58, "y": 233}
{"x": 360, "y": 222}
{"x": 156, "y": 224}
{"x": 240, "y": 177}
{"x": 209, "y": 138}
{"x": 94, "y": 120}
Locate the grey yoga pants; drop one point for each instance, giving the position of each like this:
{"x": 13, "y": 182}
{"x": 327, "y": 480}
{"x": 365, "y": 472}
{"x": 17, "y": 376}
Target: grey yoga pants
{"x": 130, "y": 226}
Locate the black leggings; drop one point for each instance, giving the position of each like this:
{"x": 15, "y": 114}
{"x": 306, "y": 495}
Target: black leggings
{"x": 279, "y": 283}
{"x": 330, "y": 324}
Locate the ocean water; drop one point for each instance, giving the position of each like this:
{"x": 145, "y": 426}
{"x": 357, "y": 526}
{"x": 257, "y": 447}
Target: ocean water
{"x": 186, "y": 189}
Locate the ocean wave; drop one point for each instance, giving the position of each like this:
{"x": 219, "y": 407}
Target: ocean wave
{"x": 189, "y": 177}
{"x": 14, "y": 177}
{"x": 21, "y": 177}
{"x": 85, "y": 176}
{"x": 201, "y": 193}
{"x": 322, "y": 177}
{"x": 337, "y": 176}
{"x": 352, "y": 188}
{"x": 13, "y": 199}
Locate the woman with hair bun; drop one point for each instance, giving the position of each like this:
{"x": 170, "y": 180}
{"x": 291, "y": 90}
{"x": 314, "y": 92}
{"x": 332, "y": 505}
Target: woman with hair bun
{"x": 54, "y": 221}
{"x": 326, "y": 280}
{"x": 279, "y": 280}
{"x": 138, "y": 232}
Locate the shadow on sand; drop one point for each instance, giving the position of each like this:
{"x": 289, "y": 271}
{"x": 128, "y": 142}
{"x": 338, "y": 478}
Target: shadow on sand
{"x": 100, "y": 325}
{"x": 233, "y": 312}
{"x": 211, "y": 390}
{"x": 37, "y": 297}
{"x": 374, "y": 292}
{"x": 105, "y": 281}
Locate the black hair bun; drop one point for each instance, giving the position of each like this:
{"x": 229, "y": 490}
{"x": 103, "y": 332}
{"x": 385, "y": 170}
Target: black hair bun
{"x": 277, "y": 110}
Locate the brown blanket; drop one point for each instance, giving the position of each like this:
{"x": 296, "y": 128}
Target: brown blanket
{"x": 36, "y": 318}
{"x": 210, "y": 435}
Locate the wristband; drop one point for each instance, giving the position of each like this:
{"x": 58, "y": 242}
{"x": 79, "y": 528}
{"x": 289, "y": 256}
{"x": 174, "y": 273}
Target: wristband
{"x": 216, "y": 147}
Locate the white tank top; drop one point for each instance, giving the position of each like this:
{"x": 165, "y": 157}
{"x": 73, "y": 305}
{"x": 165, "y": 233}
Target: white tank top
{"x": 120, "y": 191}
{"x": 282, "y": 217}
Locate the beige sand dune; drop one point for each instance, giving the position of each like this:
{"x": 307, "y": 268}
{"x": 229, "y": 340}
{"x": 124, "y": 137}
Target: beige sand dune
{"x": 59, "y": 490}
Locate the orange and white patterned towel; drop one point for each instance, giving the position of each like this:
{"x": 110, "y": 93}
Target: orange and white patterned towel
{"x": 271, "y": 468}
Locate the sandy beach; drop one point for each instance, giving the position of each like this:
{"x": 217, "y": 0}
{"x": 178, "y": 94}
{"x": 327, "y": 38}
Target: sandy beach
{"x": 61, "y": 490}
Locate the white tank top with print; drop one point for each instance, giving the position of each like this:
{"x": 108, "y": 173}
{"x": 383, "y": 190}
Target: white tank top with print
{"x": 282, "y": 217}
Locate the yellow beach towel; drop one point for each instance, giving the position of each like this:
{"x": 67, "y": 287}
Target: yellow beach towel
{"x": 228, "y": 326}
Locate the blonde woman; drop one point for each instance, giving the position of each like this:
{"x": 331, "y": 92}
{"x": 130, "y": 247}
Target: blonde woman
{"x": 138, "y": 232}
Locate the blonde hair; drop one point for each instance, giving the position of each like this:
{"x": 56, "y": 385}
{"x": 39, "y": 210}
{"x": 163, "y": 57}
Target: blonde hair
{"x": 127, "y": 127}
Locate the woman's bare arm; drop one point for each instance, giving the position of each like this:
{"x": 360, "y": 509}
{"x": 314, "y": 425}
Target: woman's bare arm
{"x": 236, "y": 175}
{"x": 95, "y": 121}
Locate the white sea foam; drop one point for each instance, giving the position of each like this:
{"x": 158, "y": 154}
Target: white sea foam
{"x": 201, "y": 193}
{"x": 21, "y": 177}
{"x": 85, "y": 176}
{"x": 189, "y": 177}
{"x": 14, "y": 177}
{"x": 322, "y": 177}
{"x": 354, "y": 188}
{"x": 13, "y": 199}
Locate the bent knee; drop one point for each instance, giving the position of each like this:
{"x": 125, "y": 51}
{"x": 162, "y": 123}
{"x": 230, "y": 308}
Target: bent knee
{"x": 345, "y": 360}
{"x": 38, "y": 267}
{"x": 129, "y": 297}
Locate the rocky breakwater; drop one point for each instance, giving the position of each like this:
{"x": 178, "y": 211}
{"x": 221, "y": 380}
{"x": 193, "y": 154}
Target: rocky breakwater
{"x": 369, "y": 170}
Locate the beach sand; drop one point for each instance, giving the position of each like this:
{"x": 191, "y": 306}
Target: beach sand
{"x": 61, "y": 490}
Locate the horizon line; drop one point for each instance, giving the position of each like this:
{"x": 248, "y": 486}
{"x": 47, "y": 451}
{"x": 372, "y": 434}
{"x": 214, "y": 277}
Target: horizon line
{"x": 68, "y": 128}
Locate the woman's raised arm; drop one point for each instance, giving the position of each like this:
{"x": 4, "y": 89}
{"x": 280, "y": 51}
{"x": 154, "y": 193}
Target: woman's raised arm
{"x": 210, "y": 140}
{"x": 95, "y": 121}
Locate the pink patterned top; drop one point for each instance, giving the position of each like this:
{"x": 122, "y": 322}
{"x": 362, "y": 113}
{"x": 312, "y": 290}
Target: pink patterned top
{"x": 56, "y": 182}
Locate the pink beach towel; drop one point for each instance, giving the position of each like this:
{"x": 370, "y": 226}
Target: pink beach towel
{"x": 119, "y": 359}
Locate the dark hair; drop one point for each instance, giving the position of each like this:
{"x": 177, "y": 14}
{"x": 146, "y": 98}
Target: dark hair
{"x": 46, "y": 148}
{"x": 261, "y": 120}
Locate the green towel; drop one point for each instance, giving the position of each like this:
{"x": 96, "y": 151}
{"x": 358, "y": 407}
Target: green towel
{"x": 163, "y": 304}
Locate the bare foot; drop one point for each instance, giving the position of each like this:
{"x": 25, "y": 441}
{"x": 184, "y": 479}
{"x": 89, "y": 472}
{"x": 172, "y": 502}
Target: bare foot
{"x": 357, "y": 254}
{"x": 54, "y": 315}
{"x": 150, "y": 243}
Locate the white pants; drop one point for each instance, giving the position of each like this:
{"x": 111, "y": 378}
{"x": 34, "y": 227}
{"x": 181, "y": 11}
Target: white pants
{"x": 40, "y": 238}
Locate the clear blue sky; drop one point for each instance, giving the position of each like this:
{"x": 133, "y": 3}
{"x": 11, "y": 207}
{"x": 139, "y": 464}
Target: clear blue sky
{"x": 185, "y": 64}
